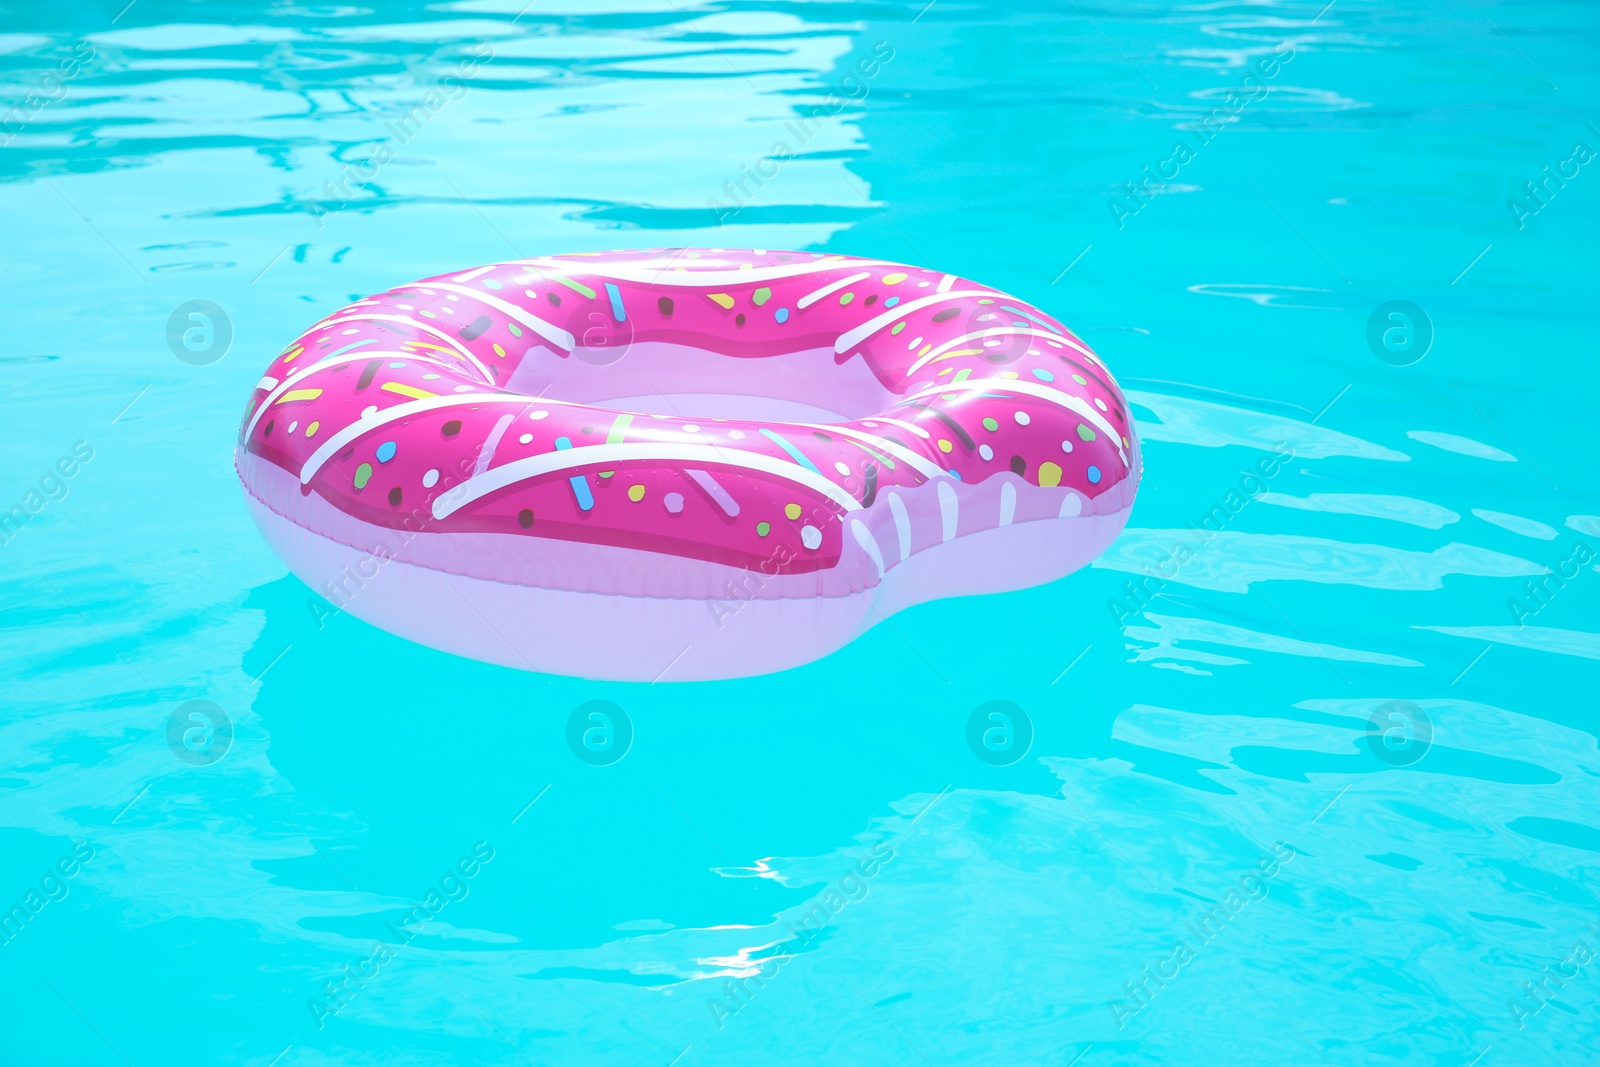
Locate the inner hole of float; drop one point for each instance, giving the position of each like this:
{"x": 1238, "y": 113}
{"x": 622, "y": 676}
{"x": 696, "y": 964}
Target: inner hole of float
{"x": 725, "y": 406}
{"x": 678, "y": 381}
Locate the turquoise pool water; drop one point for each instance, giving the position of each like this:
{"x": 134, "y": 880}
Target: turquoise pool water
{"x": 1315, "y": 785}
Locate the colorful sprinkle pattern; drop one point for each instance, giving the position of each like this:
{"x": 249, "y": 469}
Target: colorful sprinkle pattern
{"x": 408, "y": 420}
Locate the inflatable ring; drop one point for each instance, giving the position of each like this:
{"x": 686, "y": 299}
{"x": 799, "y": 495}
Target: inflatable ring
{"x": 680, "y": 463}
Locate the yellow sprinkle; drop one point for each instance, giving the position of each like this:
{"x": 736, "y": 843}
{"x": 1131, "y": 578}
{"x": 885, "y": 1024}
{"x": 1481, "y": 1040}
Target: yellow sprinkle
{"x": 1008, "y": 374}
{"x": 406, "y": 390}
{"x": 944, "y": 370}
{"x": 499, "y": 351}
{"x": 289, "y": 358}
{"x": 1049, "y": 474}
{"x": 923, "y": 351}
{"x": 945, "y": 446}
{"x": 894, "y": 279}
{"x": 635, "y": 493}
{"x": 299, "y": 394}
{"x": 723, "y": 299}
{"x": 963, "y": 352}
{"x": 311, "y": 431}
{"x": 792, "y": 510}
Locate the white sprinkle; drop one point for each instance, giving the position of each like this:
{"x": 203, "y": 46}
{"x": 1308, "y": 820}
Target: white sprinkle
{"x": 525, "y": 439}
{"x": 842, "y": 468}
{"x": 986, "y": 452}
{"x": 915, "y": 341}
{"x": 448, "y": 311}
{"x": 737, "y": 435}
{"x": 1066, "y": 446}
{"x": 369, "y": 411}
{"x": 430, "y": 479}
{"x": 463, "y": 389}
{"x": 347, "y": 333}
{"x": 537, "y": 415}
{"x": 691, "y": 428}
{"x": 811, "y": 537}
{"x": 1022, "y": 418}
{"x": 405, "y": 307}
{"x": 1101, "y": 404}
{"x": 451, "y": 296}
{"x": 292, "y": 425}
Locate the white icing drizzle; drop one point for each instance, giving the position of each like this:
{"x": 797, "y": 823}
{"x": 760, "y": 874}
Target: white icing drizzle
{"x": 860, "y": 333}
{"x": 949, "y": 509}
{"x": 584, "y": 455}
{"x": 902, "y": 524}
{"x": 865, "y": 539}
{"x": 549, "y": 331}
{"x": 829, "y": 289}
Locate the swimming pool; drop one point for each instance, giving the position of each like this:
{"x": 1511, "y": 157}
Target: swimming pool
{"x": 1303, "y": 770}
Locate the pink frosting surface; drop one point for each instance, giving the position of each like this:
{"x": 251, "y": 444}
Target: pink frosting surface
{"x": 448, "y": 405}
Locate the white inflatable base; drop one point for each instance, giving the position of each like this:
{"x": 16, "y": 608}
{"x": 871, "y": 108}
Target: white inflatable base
{"x": 650, "y": 639}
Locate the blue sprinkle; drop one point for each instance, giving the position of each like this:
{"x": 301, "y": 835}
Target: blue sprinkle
{"x": 1034, "y": 318}
{"x": 386, "y": 451}
{"x": 397, "y": 364}
{"x": 617, "y": 311}
{"x": 492, "y": 284}
{"x": 1043, "y": 375}
{"x": 580, "y": 484}
{"x": 782, "y": 316}
{"x": 348, "y": 347}
{"x": 794, "y": 453}
{"x": 891, "y": 302}
{"x": 1094, "y": 475}
{"x": 955, "y": 474}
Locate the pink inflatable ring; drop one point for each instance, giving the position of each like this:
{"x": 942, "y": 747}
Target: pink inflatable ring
{"x": 681, "y": 463}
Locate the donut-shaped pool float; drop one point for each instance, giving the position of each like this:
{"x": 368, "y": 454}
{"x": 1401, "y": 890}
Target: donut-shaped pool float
{"x": 680, "y": 464}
